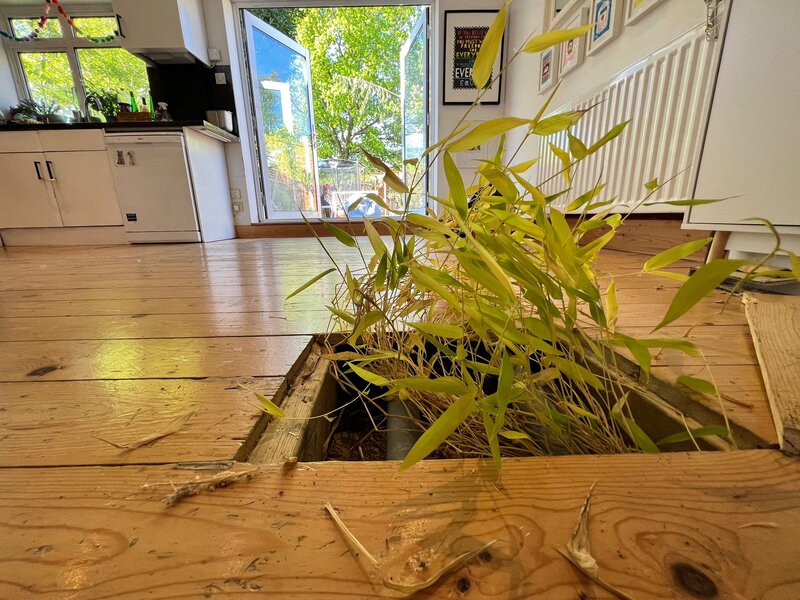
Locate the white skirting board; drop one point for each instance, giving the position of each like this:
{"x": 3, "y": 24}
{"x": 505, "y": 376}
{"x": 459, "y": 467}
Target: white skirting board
{"x": 64, "y": 236}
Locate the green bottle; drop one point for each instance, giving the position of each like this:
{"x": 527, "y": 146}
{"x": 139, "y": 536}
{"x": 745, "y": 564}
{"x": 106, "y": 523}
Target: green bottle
{"x": 134, "y": 106}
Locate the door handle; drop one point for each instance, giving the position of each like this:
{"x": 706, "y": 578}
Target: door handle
{"x": 38, "y": 166}
{"x": 50, "y": 170}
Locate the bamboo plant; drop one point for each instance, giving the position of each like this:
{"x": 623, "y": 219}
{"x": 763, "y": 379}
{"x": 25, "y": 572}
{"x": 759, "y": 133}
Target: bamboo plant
{"x": 491, "y": 319}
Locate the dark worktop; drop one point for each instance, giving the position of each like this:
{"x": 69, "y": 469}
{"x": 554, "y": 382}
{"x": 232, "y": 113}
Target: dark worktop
{"x": 118, "y": 127}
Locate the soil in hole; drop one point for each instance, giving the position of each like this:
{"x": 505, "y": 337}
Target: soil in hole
{"x": 354, "y": 436}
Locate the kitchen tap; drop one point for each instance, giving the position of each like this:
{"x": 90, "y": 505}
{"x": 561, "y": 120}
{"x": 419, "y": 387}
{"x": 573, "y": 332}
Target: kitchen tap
{"x": 95, "y": 102}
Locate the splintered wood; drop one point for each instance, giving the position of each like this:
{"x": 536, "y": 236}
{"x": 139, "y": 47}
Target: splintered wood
{"x": 775, "y": 327}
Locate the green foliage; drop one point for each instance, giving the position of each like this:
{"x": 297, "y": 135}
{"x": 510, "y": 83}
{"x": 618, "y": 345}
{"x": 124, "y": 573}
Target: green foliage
{"x": 491, "y": 320}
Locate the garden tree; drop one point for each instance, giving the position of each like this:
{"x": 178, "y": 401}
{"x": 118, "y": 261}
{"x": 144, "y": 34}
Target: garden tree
{"x": 355, "y": 72}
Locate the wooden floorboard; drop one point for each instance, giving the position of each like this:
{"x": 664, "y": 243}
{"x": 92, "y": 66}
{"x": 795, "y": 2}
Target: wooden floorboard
{"x": 710, "y": 525}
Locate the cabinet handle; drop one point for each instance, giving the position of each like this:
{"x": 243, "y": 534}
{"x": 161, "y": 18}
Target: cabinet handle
{"x": 38, "y": 166}
{"x": 50, "y": 170}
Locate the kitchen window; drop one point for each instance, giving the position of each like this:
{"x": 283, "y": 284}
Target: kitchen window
{"x": 62, "y": 66}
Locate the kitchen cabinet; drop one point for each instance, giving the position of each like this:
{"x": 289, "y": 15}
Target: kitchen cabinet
{"x": 66, "y": 183}
{"x": 84, "y": 188}
{"x": 27, "y": 198}
{"x": 165, "y": 31}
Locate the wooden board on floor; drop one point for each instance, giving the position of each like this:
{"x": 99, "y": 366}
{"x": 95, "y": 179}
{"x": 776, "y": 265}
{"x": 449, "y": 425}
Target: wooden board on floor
{"x": 150, "y": 358}
{"x": 707, "y": 525}
{"x": 62, "y": 423}
{"x": 775, "y": 325}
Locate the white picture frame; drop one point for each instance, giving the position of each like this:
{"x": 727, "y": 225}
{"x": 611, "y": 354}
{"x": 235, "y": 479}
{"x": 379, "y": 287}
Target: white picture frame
{"x": 548, "y": 67}
{"x": 572, "y": 52}
{"x": 636, "y": 9}
{"x": 606, "y": 15}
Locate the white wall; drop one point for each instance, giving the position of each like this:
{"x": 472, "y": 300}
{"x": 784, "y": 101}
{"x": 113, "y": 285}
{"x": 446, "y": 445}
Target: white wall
{"x": 655, "y": 29}
{"x": 221, "y": 23}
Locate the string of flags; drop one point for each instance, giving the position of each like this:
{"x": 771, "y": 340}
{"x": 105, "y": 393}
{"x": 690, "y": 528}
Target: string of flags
{"x": 37, "y": 28}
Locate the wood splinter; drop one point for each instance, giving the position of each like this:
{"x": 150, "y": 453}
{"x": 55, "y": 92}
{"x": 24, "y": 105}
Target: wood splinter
{"x": 579, "y": 553}
{"x": 376, "y": 569}
{"x": 192, "y": 488}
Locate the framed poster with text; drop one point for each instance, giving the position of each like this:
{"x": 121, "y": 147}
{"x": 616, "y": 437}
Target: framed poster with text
{"x": 464, "y": 31}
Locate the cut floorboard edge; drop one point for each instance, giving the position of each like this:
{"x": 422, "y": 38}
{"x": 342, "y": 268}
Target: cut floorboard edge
{"x": 726, "y": 525}
{"x": 775, "y": 327}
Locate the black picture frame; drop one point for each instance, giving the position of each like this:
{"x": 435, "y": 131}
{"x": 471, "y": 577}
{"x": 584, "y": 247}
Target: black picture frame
{"x": 450, "y": 95}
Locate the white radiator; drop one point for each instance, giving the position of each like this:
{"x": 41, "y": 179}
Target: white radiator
{"x": 667, "y": 98}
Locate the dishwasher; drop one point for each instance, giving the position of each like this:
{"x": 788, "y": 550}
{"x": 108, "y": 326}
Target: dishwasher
{"x": 161, "y": 197}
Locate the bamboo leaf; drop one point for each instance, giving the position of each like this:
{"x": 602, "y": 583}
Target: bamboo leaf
{"x": 703, "y": 386}
{"x": 390, "y": 178}
{"x": 577, "y": 147}
{"x": 557, "y": 123}
{"x": 344, "y": 316}
{"x": 440, "y": 430}
{"x": 375, "y": 239}
{"x": 699, "y": 284}
{"x": 369, "y": 376}
{"x": 639, "y": 437}
{"x": 485, "y": 131}
{"x": 490, "y": 427}
{"x": 523, "y": 166}
{"x": 456, "y": 185}
{"x": 311, "y": 282}
{"x": 490, "y": 48}
{"x": 612, "y": 306}
{"x": 651, "y": 185}
{"x": 795, "y": 266}
{"x": 672, "y": 255}
{"x": 692, "y": 202}
{"x": 364, "y": 323}
{"x": 442, "y": 330}
{"x": 586, "y": 197}
{"x": 566, "y": 161}
{"x": 340, "y": 234}
{"x": 700, "y": 432}
{"x": 514, "y": 435}
{"x": 551, "y": 38}
{"x": 615, "y": 131}
{"x": 269, "y": 406}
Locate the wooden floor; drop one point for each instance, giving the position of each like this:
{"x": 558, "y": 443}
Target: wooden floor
{"x": 103, "y": 347}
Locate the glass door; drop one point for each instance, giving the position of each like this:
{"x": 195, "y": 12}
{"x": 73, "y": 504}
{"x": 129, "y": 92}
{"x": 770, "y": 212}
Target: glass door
{"x": 414, "y": 103}
{"x": 280, "y": 75}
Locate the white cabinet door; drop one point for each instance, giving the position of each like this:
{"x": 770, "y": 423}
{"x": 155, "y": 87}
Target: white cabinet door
{"x": 26, "y": 196}
{"x": 84, "y": 188}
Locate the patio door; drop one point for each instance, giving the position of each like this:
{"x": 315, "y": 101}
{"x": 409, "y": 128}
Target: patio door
{"x": 280, "y": 75}
{"x": 414, "y": 105}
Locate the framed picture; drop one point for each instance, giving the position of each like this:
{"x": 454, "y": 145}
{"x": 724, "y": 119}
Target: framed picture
{"x": 548, "y": 68}
{"x": 464, "y": 31}
{"x": 573, "y": 51}
{"x": 634, "y": 9}
{"x": 558, "y": 10}
{"x": 606, "y": 16}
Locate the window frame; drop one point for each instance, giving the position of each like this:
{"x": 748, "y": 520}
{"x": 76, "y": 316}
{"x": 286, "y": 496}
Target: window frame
{"x": 69, "y": 42}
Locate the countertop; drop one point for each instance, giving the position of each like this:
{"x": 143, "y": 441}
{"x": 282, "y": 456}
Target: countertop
{"x": 130, "y": 127}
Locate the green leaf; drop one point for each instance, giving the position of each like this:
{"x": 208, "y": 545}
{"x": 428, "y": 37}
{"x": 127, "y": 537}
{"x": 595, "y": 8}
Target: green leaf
{"x": 269, "y": 406}
{"x": 486, "y": 131}
{"x": 693, "y": 202}
{"x": 696, "y": 384}
{"x": 442, "y": 330}
{"x": 610, "y": 135}
{"x": 700, "y": 432}
{"x": 344, "y": 316}
{"x": 369, "y": 376}
{"x": 311, "y": 282}
{"x": 612, "y": 305}
{"x": 491, "y": 436}
{"x": 514, "y": 435}
{"x": 586, "y": 197}
{"x": 795, "y": 266}
{"x": 340, "y": 234}
{"x": 456, "y": 185}
{"x": 651, "y": 185}
{"x": 375, "y": 239}
{"x": 440, "y": 430}
{"x": 523, "y": 166}
{"x": 577, "y": 147}
{"x": 487, "y": 55}
{"x": 639, "y": 437}
{"x": 364, "y": 323}
{"x": 551, "y": 38}
{"x": 389, "y": 177}
{"x": 699, "y": 284}
{"x": 440, "y": 385}
{"x": 566, "y": 162}
{"x": 557, "y": 123}
{"x": 672, "y": 255}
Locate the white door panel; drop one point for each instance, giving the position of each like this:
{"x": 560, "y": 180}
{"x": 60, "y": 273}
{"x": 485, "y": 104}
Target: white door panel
{"x": 26, "y": 195}
{"x": 84, "y": 188}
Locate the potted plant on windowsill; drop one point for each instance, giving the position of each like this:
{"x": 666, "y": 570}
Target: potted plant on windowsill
{"x": 37, "y": 111}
